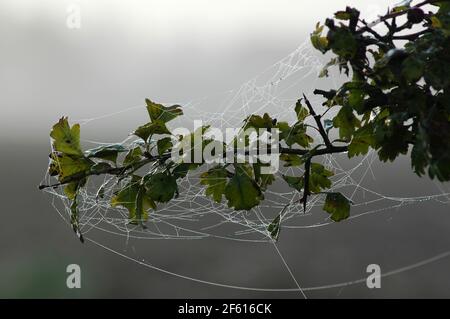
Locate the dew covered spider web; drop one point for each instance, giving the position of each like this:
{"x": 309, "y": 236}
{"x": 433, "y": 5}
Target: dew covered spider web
{"x": 194, "y": 216}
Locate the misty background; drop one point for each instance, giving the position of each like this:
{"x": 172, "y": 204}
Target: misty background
{"x": 178, "y": 51}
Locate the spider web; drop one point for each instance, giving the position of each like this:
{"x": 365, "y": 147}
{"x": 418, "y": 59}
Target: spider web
{"x": 193, "y": 216}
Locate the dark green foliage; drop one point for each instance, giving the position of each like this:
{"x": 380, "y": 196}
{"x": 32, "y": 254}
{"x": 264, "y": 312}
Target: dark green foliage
{"x": 403, "y": 87}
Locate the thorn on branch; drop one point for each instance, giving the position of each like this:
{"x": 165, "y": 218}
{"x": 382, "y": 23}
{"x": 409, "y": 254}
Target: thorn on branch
{"x": 304, "y": 199}
{"x": 317, "y": 118}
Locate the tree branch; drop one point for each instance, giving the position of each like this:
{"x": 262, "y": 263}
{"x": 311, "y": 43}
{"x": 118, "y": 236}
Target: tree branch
{"x": 317, "y": 118}
{"x": 118, "y": 171}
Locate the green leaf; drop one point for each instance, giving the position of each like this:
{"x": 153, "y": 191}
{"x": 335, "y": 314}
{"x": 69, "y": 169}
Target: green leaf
{"x": 263, "y": 180}
{"x": 291, "y": 160}
{"x": 74, "y": 221}
{"x": 127, "y": 198}
{"x": 342, "y": 42}
{"x": 161, "y": 187}
{"x": 259, "y": 122}
{"x": 98, "y": 168}
{"x": 436, "y": 23}
{"x": 242, "y": 192}
{"x": 216, "y": 180}
{"x": 301, "y": 111}
{"x": 66, "y": 139}
{"x": 164, "y": 144}
{"x": 355, "y": 99}
{"x": 106, "y": 152}
{"x": 419, "y": 153}
{"x": 155, "y": 127}
{"x": 159, "y": 112}
{"x": 347, "y": 122}
{"x": 342, "y": 15}
{"x": 391, "y": 139}
{"x": 133, "y": 156}
{"x": 318, "y": 41}
{"x": 362, "y": 140}
{"x": 182, "y": 169}
{"x": 274, "y": 228}
{"x": 66, "y": 166}
{"x": 295, "y": 182}
{"x": 338, "y": 206}
{"x": 295, "y": 134}
{"x": 319, "y": 178}
{"x": 71, "y": 189}
{"x": 412, "y": 69}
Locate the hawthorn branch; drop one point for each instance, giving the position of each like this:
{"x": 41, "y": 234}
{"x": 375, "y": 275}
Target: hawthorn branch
{"x": 394, "y": 15}
{"x": 317, "y": 118}
{"x": 304, "y": 199}
{"x": 120, "y": 171}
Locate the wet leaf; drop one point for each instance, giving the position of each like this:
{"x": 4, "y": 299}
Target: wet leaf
{"x": 291, "y": 160}
{"x": 66, "y": 166}
{"x": 338, "y": 206}
{"x": 159, "y": 112}
{"x": 301, "y": 111}
{"x": 155, "y": 127}
{"x": 216, "y": 180}
{"x": 106, "y": 152}
{"x": 164, "y": 144}
{"x": 242, "y": 192}
{"x": 127, "y": 198}
{"x": 133, "y": 156}
{"x": 274, "y": 228}
{"x": 161, "y": 187}
{"x": 66, "y": 139}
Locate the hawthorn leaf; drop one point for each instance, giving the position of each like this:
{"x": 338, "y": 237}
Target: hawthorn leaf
{"x": 106, "y": 152}
{"x": 263, "y": 180}
{"x": 295, "y": 182}
{"x": 216, "y": 180}
{"x": 257, "y": 121}
{"x": 74, "y": 221}
{"x": 154, "y": 127}
{"x": 338, "y": 206}
{"x": 342, "y": 42}
{"x": 159, "y": 112}
{"x": 291, "y": 160}
{"x": 295, "y": 134}
{"x": 127, "y": 198}
{"x": 274, "y": 228}
{"x": 99, "y": 168}
{"x": 66, "y": 166}
{"x": 318, "y": 41}
{"x": 319, "y": 178}
{"x": 66, "y": 139}
{"x": 133, "y": 156}
{"x": 71, "y": 189}
{"x": 342, "y": 15}
{"x": 161, "y": 187}
{"x": 242, "y": 192}
{"x": 363, "y": 138}
{"x": 347, "y": 122}
{"x": 164, "y": 144}
{"x": 182, "y": 169}
{"x": 301, "y": 111}
{"x": 412, "y": 69}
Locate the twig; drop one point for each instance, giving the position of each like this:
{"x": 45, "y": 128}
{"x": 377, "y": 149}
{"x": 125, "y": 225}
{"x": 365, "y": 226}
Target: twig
{"x": 317, "y": 118}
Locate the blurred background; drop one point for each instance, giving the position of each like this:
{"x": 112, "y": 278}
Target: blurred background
{"x": 180, "y": 51}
